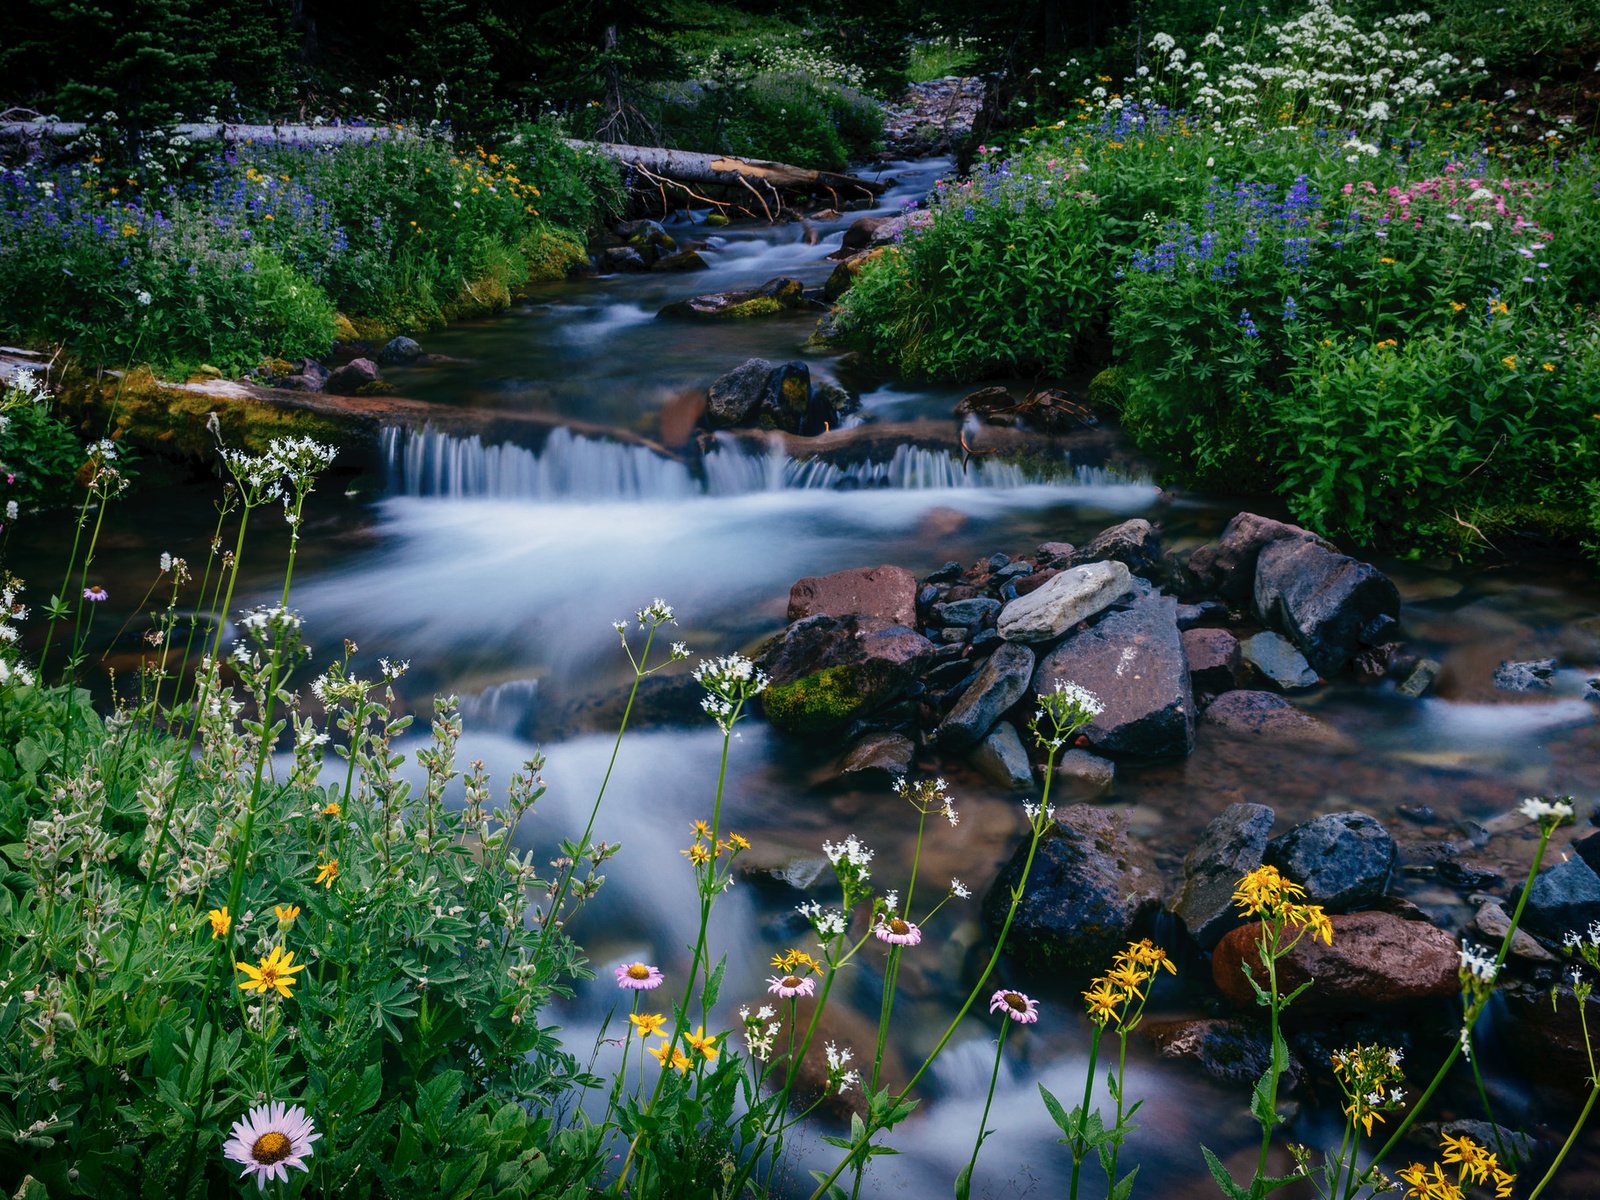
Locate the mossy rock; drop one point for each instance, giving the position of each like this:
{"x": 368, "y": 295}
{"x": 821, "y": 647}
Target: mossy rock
{"x": 758, "y": 306}
{"x": 365, "y": 329}
{"x": 552, "y": 252}
{"x": 716, "y": 219}
{"x": 817, "y": 703}
{"x": 344, "y": 329}
{"x": 1109, "y": 388}
{"x": 486, "y": 294}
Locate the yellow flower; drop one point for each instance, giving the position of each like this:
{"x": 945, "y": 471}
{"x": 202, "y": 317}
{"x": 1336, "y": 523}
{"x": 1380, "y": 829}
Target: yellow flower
{"x": 647, "y": 1023}
{"x": 702, "y": 1043}
{"x": 1147, "y": 954}
{"x": 1128, "y": 978}
{"x": 1503, "y": 1182}
{"x": 789, "y": 960}
{"x": 670, "y": 1056}
{"x": 738, "y": 841}
{"x": 1475, "y": 1161}
{"x": 1103, "y": 1001}
{"x": 697, "y": 854}
{"x": 221, "y": 922}
{"x": 275, "y": 972}
{"x": 327, "y": 872}
{"x": 286, "y": 913}
{"x": 1510, "y": 361}
{"x": 1456, "y": 306}
{"x": 1547, "y": 366}
{"x": 1386, "y": 260}
{"x": 1387, "y": 342}
{"x": 700, "y": 830}
{"x": 331, "y": 809}
{"x": 1264, "y": 890}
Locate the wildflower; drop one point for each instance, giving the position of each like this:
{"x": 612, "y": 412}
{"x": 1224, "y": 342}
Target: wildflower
{"x": 852, "y": 853}
{"x": 327, "y": 872}
{"x": 1067, "y": 709}
{"x": 702, "y": 1043}
{"x": 1103, "y": 1001}
{"x": 221, "y": 922}
{"x": 275, "y": 972}
{"x": 647, "y": 1024}
{"x": 269, "y": 1139}
{"x": 789, "y": 986}
{"x": 1477, "y": 965}
{"x": 897, "y": 932}
{"x": 286, "y": 914}
{"x": 1547, "y": 366}
{"x": 331, "y": 809}
{"x": 789, "y": 960}
{"x": 94, "y": 594}
{"x": 638, "y": 977}
{"x": 669, "y": 1055}
{"x": 1548, "y": 813}
{"x": 1015, "y": 1005}
{"x": 840, "y": 1075}
{"x": 1510, "y": 362}
{"x": 960, "y": 890}
{"x": 1473, "y": 1159}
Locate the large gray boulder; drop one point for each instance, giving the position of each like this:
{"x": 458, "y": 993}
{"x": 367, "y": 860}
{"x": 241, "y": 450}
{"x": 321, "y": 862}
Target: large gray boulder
{"x": 1089, "y": 888}
{"x": 1227, "y": 566}
{"x": 1000, "y": 684}
{"x": 735, "y": 398}
{"x": 1231, "y": 847}
{"x": 1133, "y": 543}
{"x": 1564, "y": 897}
{"x": 1342, "y": 859}
{"x": 1133, "y": 661}
{"x": 1002, "y": 759}
{"x": 1068, "y": 598}
{"x": 1329, "y": 604}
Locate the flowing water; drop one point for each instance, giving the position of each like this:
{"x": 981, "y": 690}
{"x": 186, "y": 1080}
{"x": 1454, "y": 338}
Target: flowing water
{"x": 496, "y": 567}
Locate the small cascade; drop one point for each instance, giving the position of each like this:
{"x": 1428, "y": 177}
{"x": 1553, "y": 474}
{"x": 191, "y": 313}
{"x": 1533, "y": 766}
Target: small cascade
{"x": 570, "y": 467}
{"x": 502, "y": 708}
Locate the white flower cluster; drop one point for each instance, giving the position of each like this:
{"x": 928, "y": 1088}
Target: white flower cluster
{"x": 657, "y": 612}
{"x": 850, "y": 853}
{"x": 1548, "y": 813}
{"x": 290, "y": 464}
{"x": 840, "y": 1075}
{"x": 927, "y": 796}
{"x": 1062, "y": 712}
{"x": 828, "y": 922}
{"x": 1477, "y": 964}
{"x": 730, "y": 681}
{"x": 760, "y": 1030}
{"x": 960, "y": 890}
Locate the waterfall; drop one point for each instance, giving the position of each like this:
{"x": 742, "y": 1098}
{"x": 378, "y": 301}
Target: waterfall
{"x": 569, "y": 467}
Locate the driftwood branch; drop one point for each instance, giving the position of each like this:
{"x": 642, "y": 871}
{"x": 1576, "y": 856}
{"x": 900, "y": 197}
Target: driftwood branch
{"x": 724, "y": 169}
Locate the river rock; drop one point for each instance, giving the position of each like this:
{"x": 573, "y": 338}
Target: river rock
{"x": 826, "y": 671}
{"x": 398, "y": 352}
{"x": 887, "y": 591}
{"x": 1341, "y": 859}
{"x": 1419, "y": 678}
{"x": 1491, "y": 923}
{"x": 1265, "y": 715}
{"x": 1213, "y": 656}
{"x": 974, "y": 611}
{"x": 308, "y": 376}
{"x": 1234, "y": 1051}
{"x": 1588, "y": 849}
{"x": 734, "y": 398}
{"x": 1272, "y": 658}
{"x": 786, "y": 403}
{"x": 1000, "y": 684}
{"x": 1133, "y": 661}
{"x": 1564, "y": 897}
{"x": 352, "y": 377}
{"x": 1206, "y": 612}
{"x": 1228, "y": 565}
{"x": 1067, "y": 598}
{"x": 682, "y": 260}
{"x": 1549, "y": 1035}
{"x": 882, "y": 753}
{"x": 770, "y": 298}
{"x": 1230, "y": 848}
{"x": 1002, "y": 759}
{"x": 1377, "y": 960}
{"x": 866, "y": 233}
{"x": 1081, "y": 775}
{"x": 1329, "y": 604}
{"x": 615, "y": 259}
{"x": 1132, "y": 543}
{"x": 1089, "y": 887}
{"x": 1533, "y": 675}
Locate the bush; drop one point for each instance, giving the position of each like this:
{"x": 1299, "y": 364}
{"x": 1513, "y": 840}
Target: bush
{"x": 1007, "y": 272}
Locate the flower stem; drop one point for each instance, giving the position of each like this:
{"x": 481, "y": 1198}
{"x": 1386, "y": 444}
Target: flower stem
{"x": 983, "y": 1121}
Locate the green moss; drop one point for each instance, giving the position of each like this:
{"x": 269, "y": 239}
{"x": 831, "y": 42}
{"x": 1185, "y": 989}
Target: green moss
{"x": 758, "y": 306}
{"x": 817, "y": 703}
{"x": 1109, "y": 388}
{"x": 552, "y": 252}
{"x": 716, "y": 219}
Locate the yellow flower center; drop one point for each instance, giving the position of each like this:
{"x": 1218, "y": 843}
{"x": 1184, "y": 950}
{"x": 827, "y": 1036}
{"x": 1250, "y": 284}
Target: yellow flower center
{"x": 791, "y": 981}
{"x": 271, "y": 1147}
{"x": 638, "y": 971}
{"x": 896, "y": 925}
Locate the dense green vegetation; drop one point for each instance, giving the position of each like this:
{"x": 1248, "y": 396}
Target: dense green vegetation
{"x": 1325, "y": 268}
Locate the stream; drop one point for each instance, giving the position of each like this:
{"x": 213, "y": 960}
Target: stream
{"x": 497, "y": 569}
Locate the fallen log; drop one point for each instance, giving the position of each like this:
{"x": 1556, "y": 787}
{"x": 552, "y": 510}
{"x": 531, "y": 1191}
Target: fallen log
{"x": 713, "y": 170}
{"x": 213, "y": 131}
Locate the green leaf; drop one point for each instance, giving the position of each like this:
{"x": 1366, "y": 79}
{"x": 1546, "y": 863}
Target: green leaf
{"x": 1057, "y": 1113}
{"x": 1124, "y": 1186}
{"x": 964, "y": 1182}
{"x": 1224, "y": 1181}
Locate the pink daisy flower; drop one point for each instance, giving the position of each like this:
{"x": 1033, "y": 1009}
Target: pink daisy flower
{"x": 897, "y": 932}
{"x": 791, "y": 985}
{"x": 270, "y": 1138}
{"x": 638, "y": 977}
{"x": 94, "y": 594}
{"x": 1015, "y": 1005}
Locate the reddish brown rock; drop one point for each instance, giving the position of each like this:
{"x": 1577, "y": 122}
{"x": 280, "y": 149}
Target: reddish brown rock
{"x": 1214, "y": 662}
{"x": 887, "y": 592}
{"x": 1377, "y": 960}
{"x": 1227, "y": 566}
